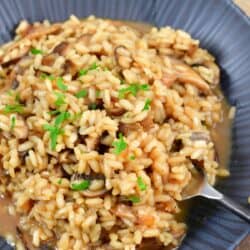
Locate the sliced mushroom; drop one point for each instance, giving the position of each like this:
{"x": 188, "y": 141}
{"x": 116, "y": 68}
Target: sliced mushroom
{"x": 147, "y": 123}
{"x": 123, "y": 56}
{"x": 199, "y": 164}
{"x": 9, "y": 82}
{"x": 61, "y": 48}
{"x": 85, "y": 38}
{"x": 8, "y": 59}
{"x": 125, "y": 128}
{"x": 125, "y": 212}
{"x": 34, "y": 32}
{"x": 70, "y": 68}
{"x": 15, "y": 84}
{"x": 185, "y": 74}
{"x": 116, "y": 111}
{"x": 49, "y": 59}
{"x": 92, "y": 194}
{"x": 93, "y": 177}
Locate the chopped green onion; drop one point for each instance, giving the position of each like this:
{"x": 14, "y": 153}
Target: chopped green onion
{"x": 63, "y": 116}
{"x": 92, "y": 106}
{"x": 132, "y": 157}
{"x": 54, "y": 112}
{"x": 82, "y": 93}
{"x": 144, "y": 87}
{"x": 134, "y": 199}
{"x": 17, "y": 98}
{"x": 80, "y": 186}
{"x": 45, "y": 76}
{"x": 60, "y": 99}
{"x": 35, "y": 51}
{"x": 13, "y": 108}
{"x": 13, "y": 122}
{"x": 93, "y": 66}
{"x": 98, "y": 93}
{"x": 59, "y": 181}
{"x": 54, "y": 132}
{"x": 76, "y": 116}
{"x": 122, "y": 81}
{"x": 10, "y": 92}
{"x": 141, "y": 184}
{"x": 60, "y": 84}
{"x": 133, "y": 89}
{"x": 119, "y": 145}
{"x": 84, "y": 72}
{"x": 147, "y": 105}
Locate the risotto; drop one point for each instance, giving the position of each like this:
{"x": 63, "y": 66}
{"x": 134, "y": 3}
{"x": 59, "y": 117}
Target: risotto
{"x": 101, "y": 127}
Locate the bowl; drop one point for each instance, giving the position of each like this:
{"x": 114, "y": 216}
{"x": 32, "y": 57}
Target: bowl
{"x": 223, "y": 30}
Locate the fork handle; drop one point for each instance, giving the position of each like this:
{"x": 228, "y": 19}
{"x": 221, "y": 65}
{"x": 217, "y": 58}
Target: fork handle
{"x": 236, "y": 208}
{"x": 211, "y": 193}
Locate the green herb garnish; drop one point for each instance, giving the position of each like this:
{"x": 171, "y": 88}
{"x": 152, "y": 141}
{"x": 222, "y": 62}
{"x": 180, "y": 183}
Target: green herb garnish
{"x": 93, "y": 66}
{"x": 54, "y": 133}
{"x": 141, "y": 184}
{"x": 45, "y": 76}
{"x": 84, "y": 72}
{"x": 147, "y": 105}
{"x": 9, "y": 92}
{"x": 133, "y": 89}
{"x": 63, "y": 116}
{"x": 13, "y": 122}
{"x": 82, "y": 93}
{"x": 132, "y": 157}
{"x": 98, "y": 93}
{"x": 80, "y": 186}
{"x": 134, "y": 199}
{"x": 60, "y": 84}
{"x": 76, "y": 116}
{"x": 13, "y": 108}
{"x": 122, "y": 81}
{"x": 56, "y": 130}
{"x": 54, "y": 112}
{"x": 119, "y": 145}
{"x": 35, "y": 51}
{"x": 59, "y": 181}
{"x": 17, "y": 97}
{"x": 60, "y": 99}
{"x": 92, "y": 106}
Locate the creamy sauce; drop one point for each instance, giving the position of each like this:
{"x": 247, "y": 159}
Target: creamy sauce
{"x": 221, "y": 135}
{"x": 8, "y": 222}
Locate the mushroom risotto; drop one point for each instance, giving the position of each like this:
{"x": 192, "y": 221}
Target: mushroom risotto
{"x": 101, "y": 127}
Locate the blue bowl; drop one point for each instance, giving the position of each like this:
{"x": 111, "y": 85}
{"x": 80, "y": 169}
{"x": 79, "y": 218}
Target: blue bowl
{"x": 222, "y": 29}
